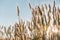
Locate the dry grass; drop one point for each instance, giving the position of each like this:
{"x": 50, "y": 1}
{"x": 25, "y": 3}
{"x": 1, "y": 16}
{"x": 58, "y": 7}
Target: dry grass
{"x": 38, "y": 27}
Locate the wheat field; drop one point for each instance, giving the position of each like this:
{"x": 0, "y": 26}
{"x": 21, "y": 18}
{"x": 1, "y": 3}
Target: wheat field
{"x": 45, "y": 25}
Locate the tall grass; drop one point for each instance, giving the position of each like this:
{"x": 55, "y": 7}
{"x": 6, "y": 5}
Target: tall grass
{"x": 39, "y": 28}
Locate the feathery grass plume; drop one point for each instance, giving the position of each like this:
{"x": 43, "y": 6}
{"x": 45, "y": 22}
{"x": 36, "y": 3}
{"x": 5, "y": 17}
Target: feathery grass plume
{"x": 45, "y": 6}
{"x": 33, "y": 17}
{"x": 49, "y": 8}
{"x": 33, "y": 12}
{"x": 8, "y": 30}
{"x": 29, "y": 25}
{"x": 38, "y": 20}
{"x": 18, "y": 10}
{"x": 42, "y": 21}
{"x": 36, "y": 11}
{"x": 49, "y": 11}
{"x": 22, "y": 29}
{"x": 42, "y": 8}
{"x": 22, "y": 25}
{"x": 40, "y": 11}
{"x": 54, "y": 13}
{"x": 53, "y": 7}
{"x": 43, "y": 15}
{"x": 15, "y": 32}
{"x": 54, "y": 3}
{"x": 5, "y": 29}
{"x": 17, "y": 28}
{"x": 30, "y": 6}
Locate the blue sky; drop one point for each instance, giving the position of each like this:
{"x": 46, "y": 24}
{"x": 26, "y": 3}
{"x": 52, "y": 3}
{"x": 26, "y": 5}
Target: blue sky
{"x": 8, "y": 13}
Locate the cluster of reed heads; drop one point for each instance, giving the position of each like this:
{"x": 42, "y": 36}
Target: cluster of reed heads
{"x": 44, "y": 19}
